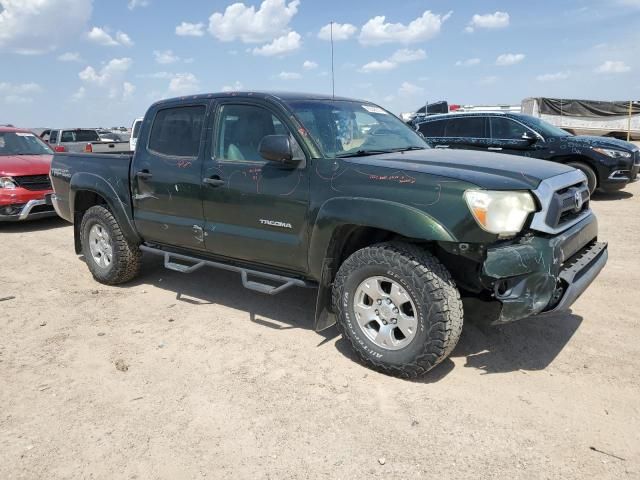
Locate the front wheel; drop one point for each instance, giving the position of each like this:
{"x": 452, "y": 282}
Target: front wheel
{"x": 592, "y": 178}
{"x": 110, "y": 257}
{"x": 398, "y": 307}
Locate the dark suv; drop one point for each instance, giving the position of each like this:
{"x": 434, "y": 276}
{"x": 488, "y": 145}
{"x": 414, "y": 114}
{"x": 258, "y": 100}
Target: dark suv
{"x": 609, "y": 164}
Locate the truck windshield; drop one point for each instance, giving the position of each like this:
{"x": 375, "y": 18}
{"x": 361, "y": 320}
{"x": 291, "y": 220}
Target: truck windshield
{"x": 22, "y": 143}
{"x": 344, "y": 128}
{"x": 544, "y": 128}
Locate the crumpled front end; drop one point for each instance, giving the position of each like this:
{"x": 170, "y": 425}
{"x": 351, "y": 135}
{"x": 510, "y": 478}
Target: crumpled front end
{"x": 544, "y": 274}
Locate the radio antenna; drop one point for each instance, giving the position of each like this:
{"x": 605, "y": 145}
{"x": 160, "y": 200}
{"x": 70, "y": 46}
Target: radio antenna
{"x": 333, "y": 78}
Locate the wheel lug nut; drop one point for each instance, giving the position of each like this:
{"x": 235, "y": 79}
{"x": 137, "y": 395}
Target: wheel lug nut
{"x": 394, "y": 320}
{"x": 395, "y": 310}
{"x": 388, "y": 301}
{"x": 379, "y": 302}
{"x": 377, "y": 312}
{"x": 384, "y": 322}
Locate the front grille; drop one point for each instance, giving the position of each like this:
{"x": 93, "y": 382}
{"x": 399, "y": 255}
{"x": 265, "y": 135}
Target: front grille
{"x": 567, "y": 204}
{"x": 34, "y": 182}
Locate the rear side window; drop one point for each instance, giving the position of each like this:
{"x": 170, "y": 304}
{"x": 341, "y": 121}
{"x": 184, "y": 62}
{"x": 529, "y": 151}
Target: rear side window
{"x": 505, "y": 129}
{"x": 469, "y": 127}
{"x": 69, "y": 136}
{"x": 53, "y": 136}
{"x": 176, "y": 131}
{"x": 432, "y": 129}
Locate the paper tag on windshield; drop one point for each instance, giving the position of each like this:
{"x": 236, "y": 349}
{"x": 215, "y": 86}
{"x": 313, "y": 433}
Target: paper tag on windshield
{"x": 22, "y": 134}
{"x": 374, "y": 109}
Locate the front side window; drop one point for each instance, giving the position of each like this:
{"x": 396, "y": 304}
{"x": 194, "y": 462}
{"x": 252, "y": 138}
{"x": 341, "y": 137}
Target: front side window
{"x": 468, "y": 127}
{"x": 344, "y": 128}
{"x": 241, "y": 128}
{"x": 176, "y": 131}
{"x": 505, "y": 129}
{"x": 136, "y": 129}
{"x": 22, "y": 143}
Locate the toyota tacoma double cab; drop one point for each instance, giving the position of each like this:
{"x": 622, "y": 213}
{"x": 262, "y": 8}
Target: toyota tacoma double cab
{"x": 339, "y": 195}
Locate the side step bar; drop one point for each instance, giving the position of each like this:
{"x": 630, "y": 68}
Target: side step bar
{"x": 197, "y": 263}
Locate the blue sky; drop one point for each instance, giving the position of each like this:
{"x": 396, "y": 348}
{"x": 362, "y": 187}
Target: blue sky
{"x": 84, "y": 62}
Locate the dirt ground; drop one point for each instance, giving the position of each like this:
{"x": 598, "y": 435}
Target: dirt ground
{"x": 190, "y": 376}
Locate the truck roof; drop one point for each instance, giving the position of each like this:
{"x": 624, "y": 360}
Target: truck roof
{"x": 4, "y": 128}
{"x": 265, "y": 95}
{"x": 471, "y": 114}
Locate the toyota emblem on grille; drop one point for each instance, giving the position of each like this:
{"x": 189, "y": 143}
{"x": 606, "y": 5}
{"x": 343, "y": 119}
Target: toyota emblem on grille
{"x": 577, "y": 198}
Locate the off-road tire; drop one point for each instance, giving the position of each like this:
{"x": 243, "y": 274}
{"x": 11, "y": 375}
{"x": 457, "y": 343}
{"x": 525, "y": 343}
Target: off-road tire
{"x": 592, "y": 178}
{"x": 433, "y": 291}
{"x": 126, "y": 257}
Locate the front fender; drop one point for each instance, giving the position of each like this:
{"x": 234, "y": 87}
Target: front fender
{"x": 117, "y": 201}
{"x": 367, "y": 212}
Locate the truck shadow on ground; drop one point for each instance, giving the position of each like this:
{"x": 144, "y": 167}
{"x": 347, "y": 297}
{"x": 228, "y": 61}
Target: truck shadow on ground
{"x": 527, "y": 345}
{"x": 33, "y": 225}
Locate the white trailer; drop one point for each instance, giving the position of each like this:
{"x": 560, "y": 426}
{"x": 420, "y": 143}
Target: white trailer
{"x": 587, "y": 117}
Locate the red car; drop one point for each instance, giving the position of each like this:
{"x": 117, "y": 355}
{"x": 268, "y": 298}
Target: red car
{"x": 25, "y": 161}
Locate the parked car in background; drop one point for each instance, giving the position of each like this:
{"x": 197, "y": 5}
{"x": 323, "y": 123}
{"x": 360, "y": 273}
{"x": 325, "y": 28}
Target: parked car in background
{"x": 86, "y": 140}
{"x": 135, "y": 131}
{"x": 25, "y": 161}
{"x": 341, "y": 196}
{"x": 111, "y": 136}
{"x": 608, "y": 163}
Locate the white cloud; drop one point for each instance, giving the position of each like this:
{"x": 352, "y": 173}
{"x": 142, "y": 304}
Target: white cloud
{"x": 128, "y": 90}
{"x": 630, "y": 3}
{"x": 138, "y": 3}
{"x": 186, "y": 29}
{"x": 280, "y": 46}
{"x": 70, "y": 57}
{"x": 40, "y": 26}
{"x": 184, "y": 84}
{"x": 289, "y": 76}
{"x": 376, "y": 31}
{"x": 507, "y": 59}
{"x": 552, "y": 77}
{"x": 165, "y": 57}
{"x": 613, "y": 66}
{"x": 236, "y": 87}
{"x": 378, "y": 66}
{"x": 19, "y": 89}
{"x": 79, "y": 94}
{"x": 341, "y": 31}
{"x": 403, "y": 55}
{"x": 406, "y": 55}
{"x": 109, "y": 77}
{"x": 249, "y": 25}
{"x": 410, "y": 90}
{"x": 17, "y": 99}
{"x": 309, "y": 65}
{"x": 470, "y": 62}
{"x": 101, "y": 36}
{"x": 489, "y": 21}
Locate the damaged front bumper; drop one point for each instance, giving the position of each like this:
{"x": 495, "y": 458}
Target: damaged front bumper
{"x": 544, "y": 274}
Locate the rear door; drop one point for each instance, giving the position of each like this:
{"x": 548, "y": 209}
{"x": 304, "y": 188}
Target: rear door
{"x": 433, "y": 132}
{"x": 469, "y": 133}
{"x": 255, "y": 210}
{"x": 166, "y": 175}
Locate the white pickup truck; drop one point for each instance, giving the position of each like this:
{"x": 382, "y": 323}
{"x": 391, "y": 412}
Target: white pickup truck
{"x": 81, "y": 140}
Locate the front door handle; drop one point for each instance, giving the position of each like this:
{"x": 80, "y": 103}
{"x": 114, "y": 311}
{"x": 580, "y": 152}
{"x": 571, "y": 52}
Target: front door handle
{"x": 144, "y": 175}
{"x": 214, "y": 181}
{"x": 495, "y": 149}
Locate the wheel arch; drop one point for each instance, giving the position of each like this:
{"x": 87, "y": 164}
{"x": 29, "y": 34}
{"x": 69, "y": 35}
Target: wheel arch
{"x": 589, "y": 162}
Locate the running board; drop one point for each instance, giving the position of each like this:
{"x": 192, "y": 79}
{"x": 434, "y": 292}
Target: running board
{"x": 256, "y": 286}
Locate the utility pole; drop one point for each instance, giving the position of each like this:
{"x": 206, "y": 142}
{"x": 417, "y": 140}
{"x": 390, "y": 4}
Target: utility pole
{"x": 333, "y": 78}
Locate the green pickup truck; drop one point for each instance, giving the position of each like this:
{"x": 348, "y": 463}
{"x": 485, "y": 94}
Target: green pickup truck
{"x": 298, "y": 190}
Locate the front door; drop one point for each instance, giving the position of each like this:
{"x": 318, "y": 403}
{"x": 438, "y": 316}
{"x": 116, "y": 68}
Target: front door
{"x": 166, "y": 178}
{"x": 506, "y": 137}
{"x": 254, "y": 210}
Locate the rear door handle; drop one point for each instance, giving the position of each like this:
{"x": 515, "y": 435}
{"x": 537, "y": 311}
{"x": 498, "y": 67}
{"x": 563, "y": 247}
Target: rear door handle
{"x": 495, "y": 149}
{"x": 214, "y": 181}
{"x": 144, "y": 175}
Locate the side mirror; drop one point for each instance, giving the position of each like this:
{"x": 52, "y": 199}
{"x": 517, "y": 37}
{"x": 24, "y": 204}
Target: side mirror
{"x": 530, "y": 138}
{"x": 276, "y": 148}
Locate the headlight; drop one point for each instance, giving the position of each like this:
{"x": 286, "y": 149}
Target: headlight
{"x": 8, "y": 183}
{"x": 502, "y": 213}
{"x": 613, "y": 153}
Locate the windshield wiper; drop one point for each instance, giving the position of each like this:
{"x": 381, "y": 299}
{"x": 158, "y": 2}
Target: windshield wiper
{"x": 407, "y": 149}
{"x": 363, "y": 153}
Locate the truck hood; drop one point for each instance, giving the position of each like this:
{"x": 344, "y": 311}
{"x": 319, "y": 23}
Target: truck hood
{"x": 604, "y": 142}
{"x": 493, "y": 171}
{"x": 19, "y": 165}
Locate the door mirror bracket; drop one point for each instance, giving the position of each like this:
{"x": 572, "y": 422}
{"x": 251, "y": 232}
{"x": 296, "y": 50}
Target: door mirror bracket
{"x": 277, "y": 148}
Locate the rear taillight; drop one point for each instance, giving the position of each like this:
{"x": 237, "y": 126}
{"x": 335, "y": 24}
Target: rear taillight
{"x": 59, "y": 148}
{"x": 88, "y": 148}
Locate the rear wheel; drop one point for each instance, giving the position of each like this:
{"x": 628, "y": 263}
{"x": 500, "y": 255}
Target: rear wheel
{"x": 110, "y": 257}
{"x": 398, "y": 307}
{"x": 592, "y": 178}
